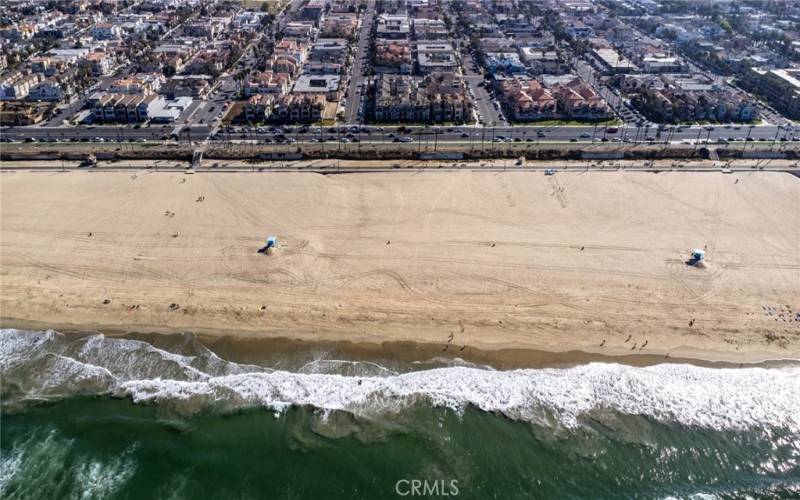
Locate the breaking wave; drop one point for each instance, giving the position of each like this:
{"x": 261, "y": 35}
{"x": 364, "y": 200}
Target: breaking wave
{"x": 190, "y": 379}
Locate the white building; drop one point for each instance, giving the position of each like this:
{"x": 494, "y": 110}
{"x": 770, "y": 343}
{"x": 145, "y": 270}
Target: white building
{"x": 48, "y": 90}
{"x": 106, "y": 31}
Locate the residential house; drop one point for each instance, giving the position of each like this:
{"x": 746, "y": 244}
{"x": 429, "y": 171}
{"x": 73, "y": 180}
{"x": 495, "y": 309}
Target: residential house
{"x": 100, "y": 63}
{"x": 50, "y": 89}
{"x": 21, "y": 114}
{"x": 504, "y": 62}
{"x": 106, "y": 31}
{"x": 393, "y": 56}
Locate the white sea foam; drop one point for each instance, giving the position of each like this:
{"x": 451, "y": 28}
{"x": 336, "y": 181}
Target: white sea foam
{"x": 101, "y": 479}
{"x": 672, "y": 393}
{"x": 46, "y": 460}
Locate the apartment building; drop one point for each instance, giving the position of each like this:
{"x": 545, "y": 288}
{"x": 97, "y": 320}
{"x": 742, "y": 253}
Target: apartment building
{"x": 393, "y": 27}
{"x": 50, "y": 89}
{"x": 330, "y": 50}
{"x": 578, "y": 101}
{"x": 430, "y": 29}
{"x": 16, "y": 85}
{"x": 47, "y": 65}
{"x": 100, "y": 63}
{"x": 780, "y": 86}
{"x": 127, "y": 108}
{"x": 19, "y": 113}
{"x": 393, "y": 56}
{"x": 259, "y": 108}
{"x": 542, "y": 61}
{"x": 340, "y": 25}
{"x": 299, "y": 108}
{"x": 397, "y": 99}
{"x": 436, "y": 57}
{"x": 438, "y": 97}
{"x": 267, "y": 82}
{"x": 139, "y": 84}
{"x": 106, "y": 31}
{"x": 525, "y": 99}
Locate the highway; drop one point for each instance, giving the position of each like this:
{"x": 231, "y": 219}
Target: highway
{"x": 463, "y": 134}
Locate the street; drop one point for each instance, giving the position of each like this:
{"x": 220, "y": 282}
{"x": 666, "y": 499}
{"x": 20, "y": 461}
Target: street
{"x": 360, "y": 58}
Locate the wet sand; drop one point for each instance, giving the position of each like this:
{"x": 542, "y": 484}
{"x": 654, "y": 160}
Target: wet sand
{"x": 466, "y": 262}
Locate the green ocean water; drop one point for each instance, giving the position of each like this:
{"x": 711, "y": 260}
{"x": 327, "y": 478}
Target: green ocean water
{"x": 109, "y": 448}
{"x": 125, "y": 442}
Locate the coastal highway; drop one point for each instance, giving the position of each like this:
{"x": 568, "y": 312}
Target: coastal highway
{"x": 463, "y": 134}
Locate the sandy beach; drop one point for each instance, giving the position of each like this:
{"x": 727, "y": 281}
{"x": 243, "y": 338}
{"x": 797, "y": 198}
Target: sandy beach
{"x": 588, "y": 262}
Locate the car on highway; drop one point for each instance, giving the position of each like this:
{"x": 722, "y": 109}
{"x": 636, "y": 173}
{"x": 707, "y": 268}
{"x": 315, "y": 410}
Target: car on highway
{"x": 403, "y": 139}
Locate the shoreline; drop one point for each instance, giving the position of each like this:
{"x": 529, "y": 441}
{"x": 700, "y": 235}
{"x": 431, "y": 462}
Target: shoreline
{"x": 250, "y": 347}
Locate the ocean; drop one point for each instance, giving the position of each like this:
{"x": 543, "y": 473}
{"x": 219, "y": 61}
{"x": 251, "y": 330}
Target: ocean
{"x": 94, "y": 416}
